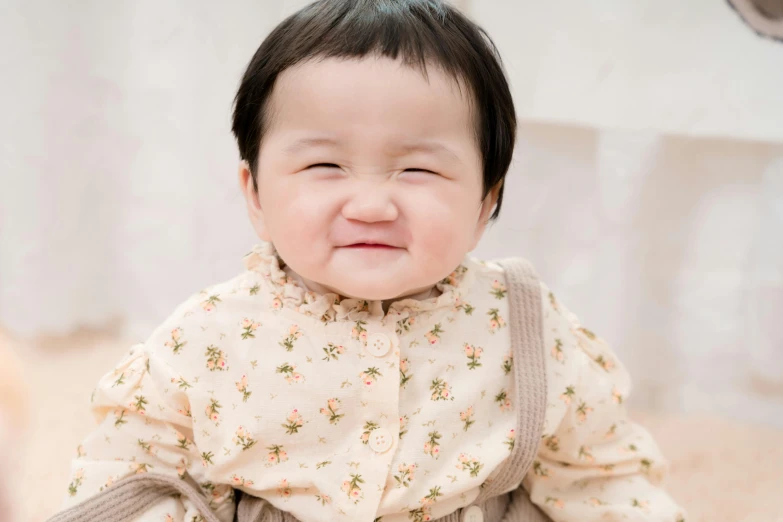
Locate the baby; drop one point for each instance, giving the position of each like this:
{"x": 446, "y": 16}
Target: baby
{"x": 363, "y": 366}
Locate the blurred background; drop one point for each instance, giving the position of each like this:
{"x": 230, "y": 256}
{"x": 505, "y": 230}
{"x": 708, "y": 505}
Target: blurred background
{"x": 647, "y": 189}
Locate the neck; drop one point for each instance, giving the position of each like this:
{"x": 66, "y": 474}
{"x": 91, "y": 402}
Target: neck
{"x": 419, "y": 294}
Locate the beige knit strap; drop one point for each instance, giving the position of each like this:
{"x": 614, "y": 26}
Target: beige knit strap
{"x": 131, "y": 497}
{"x": 527, "y": 347}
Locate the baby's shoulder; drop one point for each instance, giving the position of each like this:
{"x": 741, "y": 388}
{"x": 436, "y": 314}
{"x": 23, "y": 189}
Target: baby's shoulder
{"x": 213, "y": 315}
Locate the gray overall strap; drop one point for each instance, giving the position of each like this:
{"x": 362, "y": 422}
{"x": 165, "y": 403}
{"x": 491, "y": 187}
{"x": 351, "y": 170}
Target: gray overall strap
{"x": 527, "y": 346}
{"x": 129, "y": 498}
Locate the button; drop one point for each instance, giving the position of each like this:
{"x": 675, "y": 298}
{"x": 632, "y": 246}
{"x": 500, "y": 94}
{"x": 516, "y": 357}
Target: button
{"x": 380, "y": 440}
{"x": 473, "y": 514}
{"x": 378, "y": 344}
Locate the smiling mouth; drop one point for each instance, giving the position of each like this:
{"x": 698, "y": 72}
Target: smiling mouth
{"x": 370, "y": 245}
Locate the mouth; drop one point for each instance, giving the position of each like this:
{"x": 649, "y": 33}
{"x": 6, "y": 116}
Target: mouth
{"x": 370, "y": 245}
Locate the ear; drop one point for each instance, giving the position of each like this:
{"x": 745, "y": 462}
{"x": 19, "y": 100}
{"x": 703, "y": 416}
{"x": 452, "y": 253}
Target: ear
{"x": 487, "y": 206}
{"x": 254, "y": 211}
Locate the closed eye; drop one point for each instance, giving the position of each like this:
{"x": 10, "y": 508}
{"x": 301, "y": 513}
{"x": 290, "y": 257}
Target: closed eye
{"x": 325, "y": 165}
{"x": 421, "y": 170}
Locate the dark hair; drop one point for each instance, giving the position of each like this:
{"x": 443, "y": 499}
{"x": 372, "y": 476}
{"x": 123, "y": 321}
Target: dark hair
{"x": 418, "y": 32}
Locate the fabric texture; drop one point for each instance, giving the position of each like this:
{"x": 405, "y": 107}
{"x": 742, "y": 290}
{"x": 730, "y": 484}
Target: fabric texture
{"x": 222, "y": 374}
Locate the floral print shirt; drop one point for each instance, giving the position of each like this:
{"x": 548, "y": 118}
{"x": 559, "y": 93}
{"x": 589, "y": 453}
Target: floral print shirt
{"x": 333, "y": 409}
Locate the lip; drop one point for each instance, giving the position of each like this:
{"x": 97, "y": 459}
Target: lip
{"x": 370, "y": 245}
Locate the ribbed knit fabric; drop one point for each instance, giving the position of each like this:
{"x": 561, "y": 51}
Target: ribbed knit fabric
{"x": 502, "y": 499}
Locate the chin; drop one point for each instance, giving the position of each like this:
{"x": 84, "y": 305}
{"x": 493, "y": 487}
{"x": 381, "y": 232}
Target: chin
{"x": 370, "y": 291}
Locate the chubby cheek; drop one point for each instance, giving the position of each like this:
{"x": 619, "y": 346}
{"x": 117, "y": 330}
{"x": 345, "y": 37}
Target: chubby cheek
{"x": 295, "y": 218}
{"x": 443, "y": 228}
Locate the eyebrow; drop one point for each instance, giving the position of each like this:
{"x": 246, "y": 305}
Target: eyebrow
{"x": 432, "y": 147}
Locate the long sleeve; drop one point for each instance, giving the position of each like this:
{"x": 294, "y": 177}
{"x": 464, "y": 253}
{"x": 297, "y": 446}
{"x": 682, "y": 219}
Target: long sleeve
{"x": 144, "y": 427}
{"x": 594, "y": 463}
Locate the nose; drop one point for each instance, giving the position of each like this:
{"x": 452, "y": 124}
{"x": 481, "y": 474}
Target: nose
{"x": 371, "y": 203}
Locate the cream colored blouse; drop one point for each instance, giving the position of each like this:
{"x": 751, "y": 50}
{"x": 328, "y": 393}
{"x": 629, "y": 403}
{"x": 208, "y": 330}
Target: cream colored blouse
{"x": 336, "y": 410}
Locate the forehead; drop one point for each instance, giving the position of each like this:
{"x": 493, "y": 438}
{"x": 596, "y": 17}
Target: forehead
{"x": 370, "y": 98}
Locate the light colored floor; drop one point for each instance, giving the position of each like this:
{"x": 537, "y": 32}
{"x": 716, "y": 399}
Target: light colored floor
{"x": 721, "y": 471}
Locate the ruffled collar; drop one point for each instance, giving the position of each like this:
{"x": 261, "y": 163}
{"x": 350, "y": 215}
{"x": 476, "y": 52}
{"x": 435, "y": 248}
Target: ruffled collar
{"x": 328, "y": 307}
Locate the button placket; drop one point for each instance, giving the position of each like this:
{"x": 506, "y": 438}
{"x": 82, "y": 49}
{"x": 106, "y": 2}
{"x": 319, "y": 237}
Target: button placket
{"x": 378, "y": 344}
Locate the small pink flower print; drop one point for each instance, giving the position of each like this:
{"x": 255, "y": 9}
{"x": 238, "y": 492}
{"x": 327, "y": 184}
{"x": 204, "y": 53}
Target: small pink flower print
{"x": 238, "y": 481}
{"x": 276, "y": 454}
{"x": 248, "y": 328}
{"x": 585, "y": 453}
{"x": 567, "y": 395}
{"x": 324, "y": 499}
{"x": 467, "y": 417}
{"x": 405, "y": 475}
{"x": 241, "y": 385}
{"x": 468, "y": 463}
{"x": 76, "y": 482}
{"x": 473, "y": 354}
{"x": 333, "y": 352}
{"x": 582, "y": 412}
{"x": 213, "y": 411}
{"x": 243, "y": 438}
{"x": 206, "y": 458}
{"x": 557, "y": 351}
{"x": 358, "y": 332}
{"x": 404, "y": 375}
{"x": 496, "y": 322}
{"x": 498, "y": 289}
{"x": 643, "y": 505}
{"x": 604, "y": 363}
{"x": 147, "y": 447}
{"x": 552, "y": 443}
{"x": 441, "y": 391}
{"x": 555, "y": 502}
{"x": 211, "y": 303}
{"x": 332, "y": 411}
{"x": 294, "y": 422}
{"x": 508, "y": 363}
{"x": 612, "y": 431}
{"x": 138, "y": 468}
{"x": 174, "y": 343}
{"x": 617, "y": 397}
{"x": 503, "y": 400}
{"x": 423, "y": 514}
{"x": 403, "y": 425}
{"x": 433, "y": 336}
{"x": 139, "y": 405}
{"x": 369, "y": 427}
{"x": 277, "y": 304}
{"x": 540, "y": 471}
{"x": 294, "y": 333}
{"x": 353, "y": 489}
{"x": 284, "y": 489}
{"x": 595, "y": 502}
{"x": 370, "y": 376}
{"x": 168, "y": 518}
{"x": 291, "y": 375}
{"x": 404, "y": 325}
{"x": 216, "y": 359}
{"x": 432, "y": 446}
{"x": 511, "y": 439}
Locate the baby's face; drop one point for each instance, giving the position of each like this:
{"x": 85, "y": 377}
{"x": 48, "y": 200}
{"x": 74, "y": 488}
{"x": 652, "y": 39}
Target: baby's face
{"x": 367, "y": 151}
